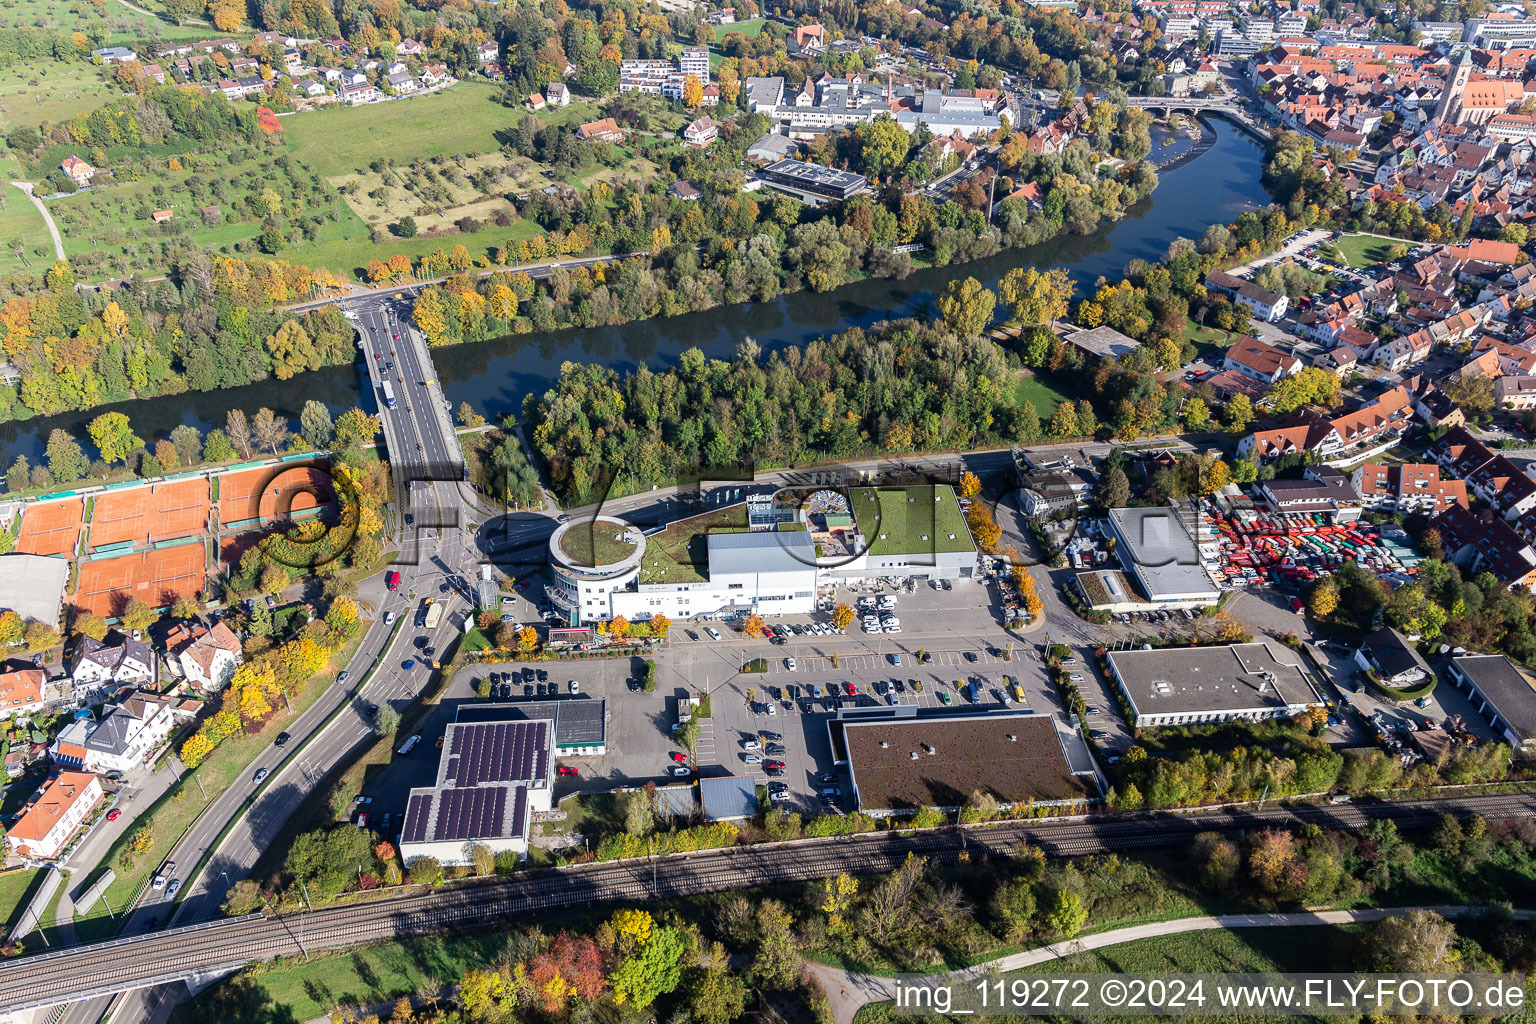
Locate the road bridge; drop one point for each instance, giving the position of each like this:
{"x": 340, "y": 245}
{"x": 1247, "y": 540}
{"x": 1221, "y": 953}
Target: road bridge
{"x": 1202, "y": 106}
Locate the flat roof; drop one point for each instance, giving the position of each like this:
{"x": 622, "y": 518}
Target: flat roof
{"x": 1155, "y": 547}
{"x": 728, "y": 797}
{"x": 1105, "y": 342}
{"x": 1236, "y": 677}
{"x": 580, "y": 721}
{"x": 1507, "y": 688}
{"x": 478, "y": 753}
{"x": 922, "y": 519}
{"x": 680, "y": 553}
{"x": 815, "y": 174}
{"x": 32, "y": 586}
{"x": 597, "y": 543}
{"x": 1015, "y": 756}
{"x": 761, "y": 552}
{"x": 465, "y": 815}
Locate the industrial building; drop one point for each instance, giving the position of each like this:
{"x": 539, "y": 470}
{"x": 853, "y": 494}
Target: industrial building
{"x": 492, "y": 777}
{"x": 1502, "y": 692}
{"x": 581, "y": 722}
{"x": 1193, "y": 685}
{"x": 1157, "y": 549}
{"x": 900, "y": 759}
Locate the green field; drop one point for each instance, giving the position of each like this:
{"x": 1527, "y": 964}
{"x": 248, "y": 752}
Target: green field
{"x": 1207, "y": 340}
{"x": 345, "y": 140}
{"x": 1245, "y": 951}
{"x": 16, "y": 888}
{"x": 1045, "y": 397}
{"x": 1366, "y": 250}
{"x": 347, "y": 246}
{"x": 51, "y": 90}
{"x": 21, "y": 227}
{"x": 751, "y": 29}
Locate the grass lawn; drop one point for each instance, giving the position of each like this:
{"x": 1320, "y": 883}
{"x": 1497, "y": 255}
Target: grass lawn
{"x": 51, "y": 90}
{"x": 597, "y": 544}
{"x": 347, "y": 245}
{"x": 345, "y": 140}
{"x": 1367, "y": 250}
{"x": 174, "y": 813}
{"x": 1207, "y": 340}
{"x": 1244, "y": 951}
{"x": 16, "y": 889}
{"x": 1045, "y": 397}
{"x": 751, "y": 28}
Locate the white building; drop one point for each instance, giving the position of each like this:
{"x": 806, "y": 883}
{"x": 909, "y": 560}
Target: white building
{"x": 492, "y": 777}
{"x": 53, "y": 815}
{"x": 114, "y": 660}
{"x": 1157, "y": 550}
{"x": 1192, "y": 685}
{"x": 128, "y": 735}
{"x": 205, "y": 657}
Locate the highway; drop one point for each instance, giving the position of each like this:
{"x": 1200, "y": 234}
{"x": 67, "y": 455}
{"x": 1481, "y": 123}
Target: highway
{"x": 162, "y": 957}
{"x": 424, "y": 448}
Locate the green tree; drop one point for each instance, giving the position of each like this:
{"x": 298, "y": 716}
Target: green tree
{"x": 386, "y": 721}
{"x": 1196, "y": 414}
{"x": 315, "y": 424}
{"x": 1035, "y": 299}
{"x": 67, "y": 461}
{"x": 655, "y": 970}
{"x": 714, "y": 994}
{"x": 1066, "y": 915}
{"x": 139, "y": 614}
{"x": 218, "y": 447}
{"x": 1013, "y": 906}
{"x": 1237, "y": 413}
{"x": 966, "y": 307}
{"x": 1112, "y": 489}
{"x": 406, "y": 228}
{"x": 113, "y": 437}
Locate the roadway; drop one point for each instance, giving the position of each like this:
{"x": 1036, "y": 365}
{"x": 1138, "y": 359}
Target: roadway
{"x": 164, "y": 957}
{"x": 230, "y": 836}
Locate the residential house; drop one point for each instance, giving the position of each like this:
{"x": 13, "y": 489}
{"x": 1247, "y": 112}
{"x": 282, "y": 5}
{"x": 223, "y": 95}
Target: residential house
{"x": 21, "y": 689}
{"x": 116, "y": 659}
{"x": 1482, "y": 542}
{"x": 605, "y": 130}
{"x": 1260, "y": 360}
{"x": 402, "y": 82}
{"x": 808, "y": 39}
{"x": 53, "y": 815}
{"x": 700, "y": 133}
{"x": 1515, "y": 392}
{"x": 78, "y": 170}
{"x": 204, "y": 657}
{"x": 1502, "y": 485}
{"x": 488, "y": 51}
{"x": 1393, "y": 659}
{"x": 1267, "y": 305}
{"x": 557, "y": 95}
{"x": 128, "y": 735}
{"x": 115, "y": 55}
{"x": 1377, "y": 422}
{"x": 1409, "y": 487}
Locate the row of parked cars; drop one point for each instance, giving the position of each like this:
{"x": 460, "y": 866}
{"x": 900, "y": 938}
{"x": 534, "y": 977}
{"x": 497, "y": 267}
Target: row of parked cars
{"x": 1161, "y": 615}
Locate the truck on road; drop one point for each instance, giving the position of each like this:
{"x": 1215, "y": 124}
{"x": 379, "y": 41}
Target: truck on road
{"x": 389, "y": 394}
{"x": 434, "y": 614}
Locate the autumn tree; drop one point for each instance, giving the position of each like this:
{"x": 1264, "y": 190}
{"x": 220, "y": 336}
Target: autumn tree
{"x": 842, "y": 615}
{"x": 693, "y": 92}
{"x": 269, "y": 430}
{"x": 11, "y": 629}
{"x": 91, "y": 625}
{"x": 1324, "y": 597}
{"x": 113, "y": 437}
{"x": 238, "y": 429}
{"x": 753, "y": 626}
{"x": 139, "y": 615}
{"x": 970, "y": 485}
{"x": 527, "y": 639}
{"x": 966, "y": 307}
{"x": 1034, "y": 299}
{"x": 660, "y": 625}
{"x": 40, "y": 636}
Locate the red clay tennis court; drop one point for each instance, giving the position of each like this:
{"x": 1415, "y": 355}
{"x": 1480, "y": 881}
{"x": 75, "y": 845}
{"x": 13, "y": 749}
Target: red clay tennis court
{"x": 155, "y": 577}
{"x": 166, "y": 511}
{"x": 263, "y": 494}
{"x": 51, "y": 528}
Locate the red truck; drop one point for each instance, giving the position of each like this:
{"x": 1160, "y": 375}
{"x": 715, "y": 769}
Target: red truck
{"x": 392, "y": 579}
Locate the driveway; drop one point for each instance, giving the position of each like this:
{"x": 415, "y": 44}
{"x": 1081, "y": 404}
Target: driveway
{"x": 53, "y": 229}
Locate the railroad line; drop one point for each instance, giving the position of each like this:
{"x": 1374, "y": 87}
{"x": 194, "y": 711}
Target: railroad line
{"x": 162, "y": 957}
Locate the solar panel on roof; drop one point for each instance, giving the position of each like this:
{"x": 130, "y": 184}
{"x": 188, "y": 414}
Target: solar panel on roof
{"x": 418, "y": 812}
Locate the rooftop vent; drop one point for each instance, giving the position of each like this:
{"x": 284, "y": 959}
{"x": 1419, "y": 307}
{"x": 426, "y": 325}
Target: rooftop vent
{"x": 913, "y": 755}
{"x": 930, "y": 748}
{"x": 883, "y": 744}
{"x": 1013, "y": 738}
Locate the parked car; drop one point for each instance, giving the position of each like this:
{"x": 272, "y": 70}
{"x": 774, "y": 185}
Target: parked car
{"x": 680, "y": 770}
{"x": 114, "y": 814}
{"x": 566, "y": 769}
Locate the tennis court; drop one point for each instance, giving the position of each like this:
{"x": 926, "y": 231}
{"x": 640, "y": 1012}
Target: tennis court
{"x": 166, "y": 511}
{"x": 266, "y": 494}
{"x": 155, "y": 577}
{"x": 51, "y": 528}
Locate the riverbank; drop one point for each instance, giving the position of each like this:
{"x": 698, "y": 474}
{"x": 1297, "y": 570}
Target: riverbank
{"x": 494, "y": 376}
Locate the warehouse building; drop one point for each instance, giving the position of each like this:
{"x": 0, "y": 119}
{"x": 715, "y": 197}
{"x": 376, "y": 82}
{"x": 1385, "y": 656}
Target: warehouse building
{"x": 813, "y": 182}
{"x": 1157, "y": 550}
{"x": 1502, "y": 692}
{"x": 900, "y": 760}
{"x": 1194, "y": 685}
{"x": 581, "y": 722}
{"x": 492, "y": 778}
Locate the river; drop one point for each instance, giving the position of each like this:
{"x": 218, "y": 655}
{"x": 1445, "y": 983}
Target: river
{"x": 1213, "y": 188}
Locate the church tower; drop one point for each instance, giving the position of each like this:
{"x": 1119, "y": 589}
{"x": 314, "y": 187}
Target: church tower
{"x": 1449, "y": 110}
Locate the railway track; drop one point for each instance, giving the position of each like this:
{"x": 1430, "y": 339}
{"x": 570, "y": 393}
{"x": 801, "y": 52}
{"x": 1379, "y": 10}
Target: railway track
{"x": 163, "y": 957}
